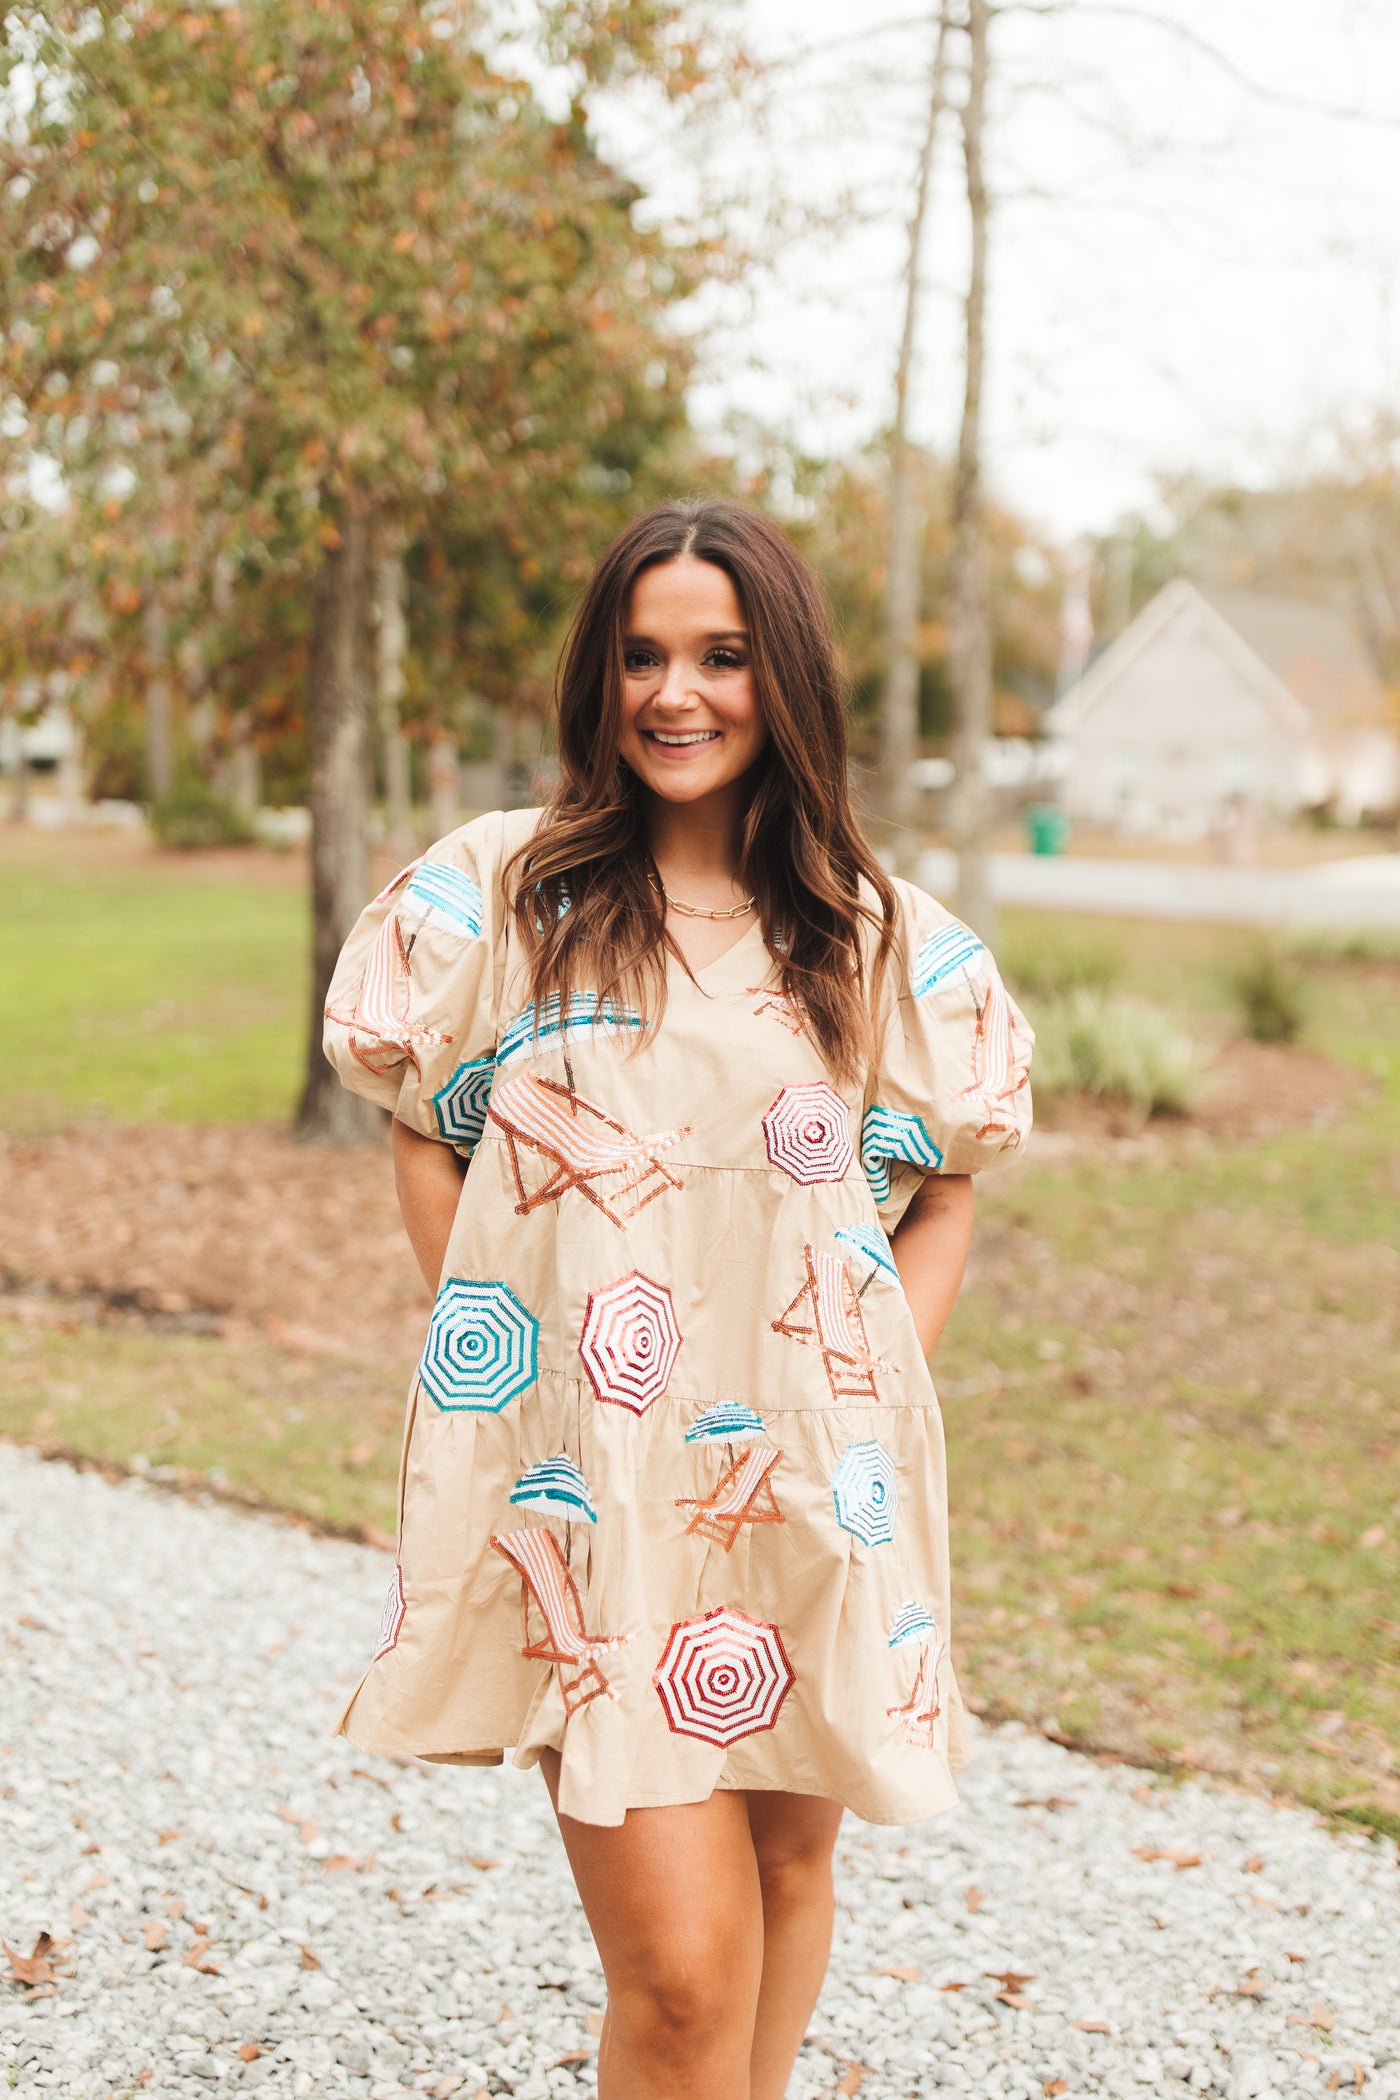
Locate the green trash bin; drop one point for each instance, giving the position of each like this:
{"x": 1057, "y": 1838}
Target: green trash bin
{"x": 1047, "y": 828}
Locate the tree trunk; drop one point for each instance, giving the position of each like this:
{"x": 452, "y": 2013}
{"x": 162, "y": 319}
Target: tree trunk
{"x": 391, "y": 638}
{"x": 901, "y": 699}
{"x": 970, "y": 623}
{"x": 444, "y": 784}
{"x": 340, "y": 798}
{"x": 245, "y": 768}
{"x": 160, "y": 737}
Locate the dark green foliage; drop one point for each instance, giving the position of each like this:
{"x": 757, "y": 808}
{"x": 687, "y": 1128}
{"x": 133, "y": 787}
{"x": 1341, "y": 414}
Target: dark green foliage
{"x": 192, "y": 815}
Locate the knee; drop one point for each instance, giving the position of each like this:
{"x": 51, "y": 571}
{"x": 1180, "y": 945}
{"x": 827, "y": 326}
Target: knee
{"x": 684, "y": 1996}
{"x": 794, "y": 1875}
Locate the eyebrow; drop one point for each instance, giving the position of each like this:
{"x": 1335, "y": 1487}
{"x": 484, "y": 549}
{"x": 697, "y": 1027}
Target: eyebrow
{"x": 725, "y": 634}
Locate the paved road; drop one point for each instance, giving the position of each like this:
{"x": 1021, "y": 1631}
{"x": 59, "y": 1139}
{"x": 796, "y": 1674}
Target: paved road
{"x": 251, "y": 1905}
{"x": 1360, "y": 892}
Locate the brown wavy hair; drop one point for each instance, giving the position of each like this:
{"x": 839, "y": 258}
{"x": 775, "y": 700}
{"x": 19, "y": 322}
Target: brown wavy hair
{"x": 585, "y": 902}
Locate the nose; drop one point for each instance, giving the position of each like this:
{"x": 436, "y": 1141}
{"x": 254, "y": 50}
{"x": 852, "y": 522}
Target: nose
{"x": 676, "y": 692}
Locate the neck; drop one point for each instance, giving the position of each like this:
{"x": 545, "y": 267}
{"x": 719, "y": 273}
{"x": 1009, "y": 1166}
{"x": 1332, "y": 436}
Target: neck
{"x": 697, "y": 842}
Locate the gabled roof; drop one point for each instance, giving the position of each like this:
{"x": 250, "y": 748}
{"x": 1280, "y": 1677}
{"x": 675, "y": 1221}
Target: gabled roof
{"x": 1178, "y": 602}
{"x": 1315, "y": 650}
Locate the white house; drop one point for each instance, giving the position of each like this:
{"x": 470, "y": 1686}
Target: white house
{"x": 1213, "y": 703}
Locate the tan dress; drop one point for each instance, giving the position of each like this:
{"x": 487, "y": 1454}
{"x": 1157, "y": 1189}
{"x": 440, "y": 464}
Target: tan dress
{"x": 672, "y": 1498}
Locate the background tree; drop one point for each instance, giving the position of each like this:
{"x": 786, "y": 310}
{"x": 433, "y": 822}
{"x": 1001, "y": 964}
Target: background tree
{"x": 353, "y": 278}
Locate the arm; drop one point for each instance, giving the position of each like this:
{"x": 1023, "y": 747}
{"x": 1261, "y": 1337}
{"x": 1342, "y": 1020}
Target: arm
{"x": 930, "y": 1251}
{"x": 428, "y": 1176}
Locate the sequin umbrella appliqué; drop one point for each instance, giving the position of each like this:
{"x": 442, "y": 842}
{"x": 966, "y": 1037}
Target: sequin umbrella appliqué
{"x": 630, "y": 1341}
{"x": 808, "y": 1133}
{"x": 482, "y": 1348}
{"x": 723, "y": 1676}
{"x": 557, "y": 1488}
{"x": 727, "y": 1422}
{"x": 585, "y": 1148}
{"x": 865, "y": 1490}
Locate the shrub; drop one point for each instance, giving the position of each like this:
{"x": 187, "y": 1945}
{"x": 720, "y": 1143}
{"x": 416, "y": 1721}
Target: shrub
{"x": 192, "y": 815}
{"x": 1116, "y": 1047}
{"x": 1047, "y": 967}
{"x": 1270, "y": 992}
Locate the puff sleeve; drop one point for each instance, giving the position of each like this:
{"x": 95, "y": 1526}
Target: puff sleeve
{"x": 950, "y": 1093}
{"x": 411, "y": 1015}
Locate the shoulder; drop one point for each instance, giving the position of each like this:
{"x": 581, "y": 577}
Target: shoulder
{"x": 933, "y": 945}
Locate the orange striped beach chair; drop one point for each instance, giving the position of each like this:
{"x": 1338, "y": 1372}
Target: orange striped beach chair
{"x": 836, "y": 1328}
{"x": 584, "y": 1144}
{"x": 1000, "y": 1061}
{"x": 382, "y": 1013}
{"x": 742, "y": 1495}
{"x": 565, "y": 1643}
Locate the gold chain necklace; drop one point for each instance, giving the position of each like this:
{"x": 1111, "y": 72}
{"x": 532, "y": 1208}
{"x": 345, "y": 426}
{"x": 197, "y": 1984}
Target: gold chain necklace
{"x": 700, "y": 911}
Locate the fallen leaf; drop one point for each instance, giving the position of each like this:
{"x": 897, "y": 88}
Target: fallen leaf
{"x": 1050, "y": 1801}
{"x": 1092, "y": 2026}
{"x": 198, "y": 1958}
{"x": 1008, "y": 1979}
{"x": 40, "y": 1969}
{"x": 154, "y": 1933}
{"x": 77, "y": 1917}
{"x": 359, "y": 1772}
{"x": 504, "y": 2014}
{"x": 249, "y": 2051}
{"x": 1254, "y": 1864}
{"x": 483, "y": 1865}
{"x": 952, "y": 1986}
{"x": 310, "y": 1960}
{"x": 1180, "y": 1860}
{"x": 166, "y": 1837}
{"x": 174, "y": 1907}
{"x": 447, "y": 2086}
{"x": 1051, "y": 2086}
{"x": 975, "y": 1900}
{"x": 853, "y": 2080}
{"x": 1252, "y": 1986}
{"x": 1290, "y": 1956}
{"x": 593, "y": 2021}
{"x": 339, "y": 1862}
{"x": 1017, "y": 2000}
{"x": 1320, "y": 2018}
{"x": 573, "y": 2056}
{"x": 903, "y": 1973}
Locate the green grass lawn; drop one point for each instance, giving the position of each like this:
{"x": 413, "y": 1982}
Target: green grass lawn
{"x": 147, "y": 994}
{"x": 1172, "y": 1385}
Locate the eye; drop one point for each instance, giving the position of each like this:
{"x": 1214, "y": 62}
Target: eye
{"x": 637, "y": 660}
{"x": 725, "y": 660}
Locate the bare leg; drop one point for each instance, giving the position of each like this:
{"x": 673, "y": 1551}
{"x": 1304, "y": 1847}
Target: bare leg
{"x": 673, "y": 1900}
{"x": 793, "y": 1836}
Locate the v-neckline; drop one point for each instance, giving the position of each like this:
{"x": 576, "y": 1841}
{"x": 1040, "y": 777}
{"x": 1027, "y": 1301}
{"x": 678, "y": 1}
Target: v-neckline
{"x": 725, "y": 953}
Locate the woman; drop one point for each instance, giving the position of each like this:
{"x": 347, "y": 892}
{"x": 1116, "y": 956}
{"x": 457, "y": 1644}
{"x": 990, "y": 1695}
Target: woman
{"x": 687, "y": 1095}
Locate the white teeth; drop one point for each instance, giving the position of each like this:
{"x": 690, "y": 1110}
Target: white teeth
{"x": 697, "y": 736}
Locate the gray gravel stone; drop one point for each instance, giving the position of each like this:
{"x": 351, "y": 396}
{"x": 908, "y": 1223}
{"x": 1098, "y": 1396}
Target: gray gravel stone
{"x": 231, "y": 1879}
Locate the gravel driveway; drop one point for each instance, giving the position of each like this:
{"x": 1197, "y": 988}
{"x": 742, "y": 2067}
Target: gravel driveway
{"x": 250, "y": 1904}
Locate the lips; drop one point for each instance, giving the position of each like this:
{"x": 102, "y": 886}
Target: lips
{"x": 681, "y": 740}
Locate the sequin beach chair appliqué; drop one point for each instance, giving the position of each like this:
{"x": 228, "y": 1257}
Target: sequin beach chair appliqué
{"x": 587, "y": 1149}
{"x": 1000, "y": 1061}
{"x": 834, "y": 1325}
{"x": 742, "y": 1495}
{"x": 382, "y": 1029}
{"x": 565, "y": 1642}
{"x": 786, "y": 1008}
{"x": 914, "y": 1720}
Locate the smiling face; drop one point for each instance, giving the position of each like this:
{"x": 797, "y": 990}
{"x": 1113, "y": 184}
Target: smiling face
{"x": 691, "y": 721}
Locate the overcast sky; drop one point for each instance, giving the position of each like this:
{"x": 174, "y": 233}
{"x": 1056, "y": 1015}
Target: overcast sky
{"x": 1187, "y": 274}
